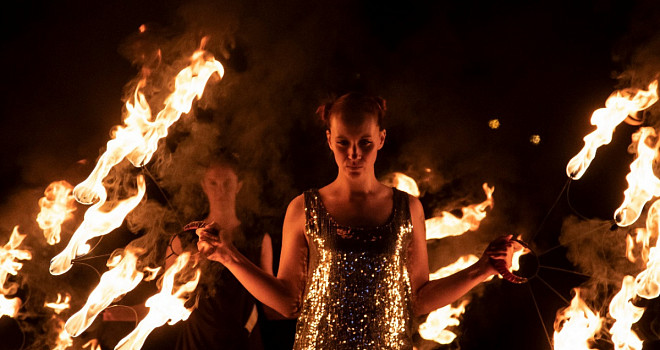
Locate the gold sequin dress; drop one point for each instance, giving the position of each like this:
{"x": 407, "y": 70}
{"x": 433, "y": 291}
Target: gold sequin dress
{"x": 358, "y": 293}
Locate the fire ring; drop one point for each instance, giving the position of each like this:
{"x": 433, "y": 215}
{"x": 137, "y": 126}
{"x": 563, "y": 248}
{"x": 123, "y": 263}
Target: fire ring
{"x": 500, "y": 266}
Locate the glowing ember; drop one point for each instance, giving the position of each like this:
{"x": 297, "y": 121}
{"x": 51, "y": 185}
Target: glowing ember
{"x": 448, "y": 224}
{"x": 122, "y": 277}
{"x": 494, "y": 123}
{"x": 96, "y": 223}
{"x": 166, "y": 306}
{"x": 642, "y": 182}
{"x": 625, "y": 314}
{"x": 403, "y": 183}
{"x": 576, "y": 325}
{"x": 56, "y": 207}
{"x": 618, "y": 106}
{"x": 535, "y": 139}
{"x": 9, "y": 254}
{"x": 137, "y": 139}
{"x": 60, "y": 304}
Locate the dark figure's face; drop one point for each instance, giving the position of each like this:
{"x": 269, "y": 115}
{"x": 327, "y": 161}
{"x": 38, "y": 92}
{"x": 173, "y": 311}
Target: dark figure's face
{"x": 220, "y": 184}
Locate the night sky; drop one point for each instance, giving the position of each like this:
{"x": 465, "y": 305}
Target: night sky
{"x": 445, "y": 68}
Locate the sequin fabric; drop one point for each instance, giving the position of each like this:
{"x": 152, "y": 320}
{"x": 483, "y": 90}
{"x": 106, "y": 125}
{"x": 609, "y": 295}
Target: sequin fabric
{"x": 358, "y": 293}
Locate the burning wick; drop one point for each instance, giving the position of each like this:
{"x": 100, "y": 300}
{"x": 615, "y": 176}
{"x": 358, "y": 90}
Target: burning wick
{"x": 494, "y": 123}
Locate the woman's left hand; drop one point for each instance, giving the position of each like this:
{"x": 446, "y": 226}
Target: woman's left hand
{"x": 500, "y": 249}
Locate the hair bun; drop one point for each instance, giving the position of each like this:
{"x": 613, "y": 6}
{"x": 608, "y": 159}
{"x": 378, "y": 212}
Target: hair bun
{"x": 324, "y": 111}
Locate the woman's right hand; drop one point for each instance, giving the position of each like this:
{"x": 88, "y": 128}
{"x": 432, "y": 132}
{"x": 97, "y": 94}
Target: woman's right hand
{"x": 212, "y": 245}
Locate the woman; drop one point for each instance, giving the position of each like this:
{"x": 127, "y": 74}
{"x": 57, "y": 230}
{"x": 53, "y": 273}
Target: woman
{"x": 354, "y": 265}
{"x": 226, "y": 315}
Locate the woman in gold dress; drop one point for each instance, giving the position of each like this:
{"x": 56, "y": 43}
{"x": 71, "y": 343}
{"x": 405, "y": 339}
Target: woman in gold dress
{"x": 353, "y": 266}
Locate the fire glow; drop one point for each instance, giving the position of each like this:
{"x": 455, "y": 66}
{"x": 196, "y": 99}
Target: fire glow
{"x": 166, "y": 306}
{"x": 9, "y": 254}
{"x": 618, "y": 107}
{"x": 447, "y": 224}
{"x": 57, "y": 206}
{"x": 96, "y": 223}
{"x": 576, "y": 326}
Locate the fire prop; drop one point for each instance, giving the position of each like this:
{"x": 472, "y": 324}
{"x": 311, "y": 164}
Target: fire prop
{"x": 166, "y": 306}
{"x": 136, "y": 140}
{"x": 122, "y": 277}
{"x": 618, "y": 107}
{"x": 9, "y": 254}
{"x": 643, "y": 185}
{"x": 96, "y": 223}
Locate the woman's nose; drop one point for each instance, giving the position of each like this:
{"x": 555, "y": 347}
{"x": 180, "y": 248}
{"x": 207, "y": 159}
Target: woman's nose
{"x": 355, "y": 153}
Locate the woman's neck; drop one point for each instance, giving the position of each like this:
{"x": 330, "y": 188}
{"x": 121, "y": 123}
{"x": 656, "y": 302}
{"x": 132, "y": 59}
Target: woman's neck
{"x": 361, "y": 186}
{"x": 225, "y": 218}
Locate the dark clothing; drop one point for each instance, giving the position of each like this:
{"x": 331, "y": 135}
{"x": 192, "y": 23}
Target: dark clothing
{"x": 226, "y": 314}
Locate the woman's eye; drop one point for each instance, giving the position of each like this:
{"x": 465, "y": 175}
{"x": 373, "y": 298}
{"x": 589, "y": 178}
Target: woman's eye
{"x": 342, "y": 143}
{"x": 365, "y": 142}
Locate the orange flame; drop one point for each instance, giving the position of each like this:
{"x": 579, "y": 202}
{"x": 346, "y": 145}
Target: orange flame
{"x": 618, "y": 106}
{"x": 96, "y": 223}
{"x": 643, "y": 184}
{"x": 60, "y": 304}
{"x": 576, "y": 325}
{"x": 448, "y": 224}
{"x": 9, "y": 254}
{"x": 63, "y": 340}
{"x": 434, "y": 328}
{"x": 56, "y": 207}
{"x": 122, "y": 277}
{"x": 647, "y": 282}
{"x": 403, "y": 182}
{"x": 166, "y": 306}
{"x": 438, "y": 320}
{"x": 625, "y": 315}
{"x": 137, "y": 139}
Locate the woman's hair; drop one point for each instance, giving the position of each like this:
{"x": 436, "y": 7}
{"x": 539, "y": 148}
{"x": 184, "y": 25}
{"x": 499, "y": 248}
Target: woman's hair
{"x": 225, "y": 158}
{"x": 353, "y": 108}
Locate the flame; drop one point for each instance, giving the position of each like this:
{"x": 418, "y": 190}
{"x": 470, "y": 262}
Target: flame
{"x": 137, "y": 139}
{"x": 166, "y": 306}
{"x": 56, "y": 207}
{"x": 647, "y": 282}
{"x": 438, "y": 320}
{"x": 449, "y": 225}
{"x": 625, "y": 315}
{"x": 576, "y": 325}
{"x": 9, "y": 254}
{"x": 618, "y": 106}
{"x": 122, "y": 277}
{"x": 434, "y": 328}
{"x": 60, "y": 304}
{"x": 404, "y": 183}
{"x": 63, "y": 340}
{"x": 96, "y": 223}
{"x": 643, "y": 184}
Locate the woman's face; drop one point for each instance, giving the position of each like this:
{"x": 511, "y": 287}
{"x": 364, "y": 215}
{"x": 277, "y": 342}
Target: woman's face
{"x": 355, "y": 145}
{"x": 220, "y": 184}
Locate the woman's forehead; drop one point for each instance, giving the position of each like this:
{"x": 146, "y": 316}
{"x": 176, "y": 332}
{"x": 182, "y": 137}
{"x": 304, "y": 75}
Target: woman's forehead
{"x": 367, "y": 126}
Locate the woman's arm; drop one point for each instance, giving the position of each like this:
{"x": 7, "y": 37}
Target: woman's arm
{"x": 284, "y": 292}
{"x": 431, "y": 295}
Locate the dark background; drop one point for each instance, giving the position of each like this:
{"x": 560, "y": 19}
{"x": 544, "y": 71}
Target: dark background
{"x": 445, "y": 68}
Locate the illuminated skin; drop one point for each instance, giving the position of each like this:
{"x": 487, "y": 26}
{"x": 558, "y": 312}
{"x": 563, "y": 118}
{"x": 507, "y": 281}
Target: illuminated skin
{"x": 354, "y": 198}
